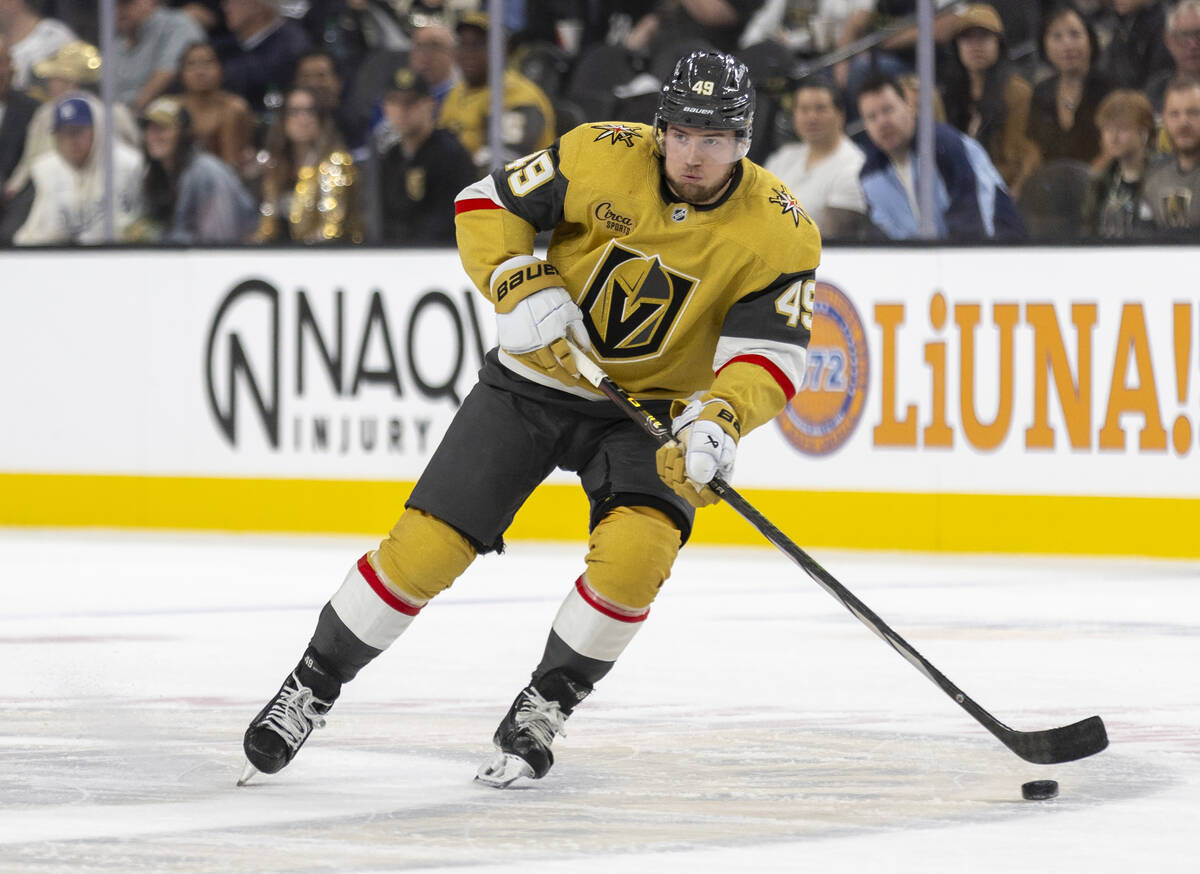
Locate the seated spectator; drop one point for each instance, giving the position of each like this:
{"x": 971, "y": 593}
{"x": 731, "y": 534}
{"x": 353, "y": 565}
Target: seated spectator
{"x": 1063, "y": 110}
{"x": 805, "y": 27}
{"x": 528, "y": 123}
{"x": 221, "y": 122}
{"x": 433, "y": 50}
{"x": 151, "y": 42}
{"x": 716, "y": 22}
{"x": 188, "y": 194}
{"x": 985, "y": 98}
{"x": 421, "y": 171}
{"x": 822, "y": 169}
{"x": 1173, "y": 185}
{"x": 260, "y": 55}
{"x": 310, "y": 191}
{"x": 68, "y": 182}
{"x": 1113, "y": 208}
{"x": 206, "y": 13}
{"x": 316, "y": 72}
{"x": 895, "y": 56}
{"x": 1135, "y": 53}
{"x": 1182, "y": 39}
{"x": 69, "y": 72}
{"x": 30, "y": 37}
{"x": 16, "y": 112}
{"x": 970, "y": 199}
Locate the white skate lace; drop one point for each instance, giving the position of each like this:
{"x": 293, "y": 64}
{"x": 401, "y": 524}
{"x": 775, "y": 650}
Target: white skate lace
{"x": 542, "y": 718}
{"x": 294, "y": 715}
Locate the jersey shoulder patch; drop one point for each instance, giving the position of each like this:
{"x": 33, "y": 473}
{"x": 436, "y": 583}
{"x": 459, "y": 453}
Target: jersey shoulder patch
{"x": 606, "y": 140}
{"x": 776, "y": 224}
{"x": 765, "y": 185}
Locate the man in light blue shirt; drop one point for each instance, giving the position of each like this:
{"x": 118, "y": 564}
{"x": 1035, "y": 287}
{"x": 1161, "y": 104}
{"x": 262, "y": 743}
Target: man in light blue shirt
{"x": 152, "y": 41}
{"x": 970, "y": 199}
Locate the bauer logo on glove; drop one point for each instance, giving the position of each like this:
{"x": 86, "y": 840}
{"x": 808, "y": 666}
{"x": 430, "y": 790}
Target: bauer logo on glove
{"x": 535, "y": 317}
{"x": 706, "y": 433}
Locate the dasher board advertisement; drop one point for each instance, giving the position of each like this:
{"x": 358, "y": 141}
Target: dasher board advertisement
{"x": 989, "y": 382}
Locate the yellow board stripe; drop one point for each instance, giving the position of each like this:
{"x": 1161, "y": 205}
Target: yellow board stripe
{"x": 1085, "y": 525}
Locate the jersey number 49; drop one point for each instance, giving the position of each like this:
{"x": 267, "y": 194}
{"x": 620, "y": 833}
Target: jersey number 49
{"x": 796, "y": 303}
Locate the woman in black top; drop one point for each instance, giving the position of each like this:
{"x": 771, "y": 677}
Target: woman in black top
{"x": 1062, "y": 116}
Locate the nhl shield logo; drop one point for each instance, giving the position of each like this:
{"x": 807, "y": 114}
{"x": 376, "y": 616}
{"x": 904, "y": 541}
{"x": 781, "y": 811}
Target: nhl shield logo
{"x": 679, "y": 214}
{"x": 632, "y": 302}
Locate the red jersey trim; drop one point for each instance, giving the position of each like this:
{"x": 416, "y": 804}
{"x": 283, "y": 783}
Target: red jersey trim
{"x": 770, "y": 367}
{"x": 472, "y": 203}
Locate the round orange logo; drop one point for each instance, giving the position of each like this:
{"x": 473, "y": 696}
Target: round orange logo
{"x": 833, "y": 391}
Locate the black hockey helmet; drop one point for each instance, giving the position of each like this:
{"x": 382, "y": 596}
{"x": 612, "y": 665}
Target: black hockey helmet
{"x": 709, "y": 90}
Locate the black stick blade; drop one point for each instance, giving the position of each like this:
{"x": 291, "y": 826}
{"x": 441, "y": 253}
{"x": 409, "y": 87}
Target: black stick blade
{"x": 1065, "y": 744}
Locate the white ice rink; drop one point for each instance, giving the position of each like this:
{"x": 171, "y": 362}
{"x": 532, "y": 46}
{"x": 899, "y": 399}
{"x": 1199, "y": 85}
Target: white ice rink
{"x": 754, "y": 725}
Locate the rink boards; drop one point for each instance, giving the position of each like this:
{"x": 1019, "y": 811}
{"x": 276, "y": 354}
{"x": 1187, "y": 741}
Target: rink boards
{"x": 1024, "y": 400}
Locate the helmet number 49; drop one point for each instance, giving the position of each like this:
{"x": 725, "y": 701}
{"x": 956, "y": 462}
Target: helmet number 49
{"x": 703, "y": 86}
{"x": 796, "y": 303}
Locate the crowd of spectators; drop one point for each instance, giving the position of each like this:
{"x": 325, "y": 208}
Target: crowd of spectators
{"x": 349, "y": 121}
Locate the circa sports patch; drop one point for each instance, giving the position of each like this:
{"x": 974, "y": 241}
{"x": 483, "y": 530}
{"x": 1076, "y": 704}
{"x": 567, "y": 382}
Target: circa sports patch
{"x": 833, "y": 391}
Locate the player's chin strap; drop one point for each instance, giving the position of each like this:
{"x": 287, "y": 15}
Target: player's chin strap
{"x": 1063, "y": 744}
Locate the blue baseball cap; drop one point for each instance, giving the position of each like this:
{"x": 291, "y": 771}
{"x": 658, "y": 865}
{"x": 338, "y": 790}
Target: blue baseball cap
{"x": 74, "y": 111}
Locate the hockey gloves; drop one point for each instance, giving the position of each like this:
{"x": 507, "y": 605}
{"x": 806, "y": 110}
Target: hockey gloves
{"x": 535, "y": 321}
{"x": 706, "y": 432}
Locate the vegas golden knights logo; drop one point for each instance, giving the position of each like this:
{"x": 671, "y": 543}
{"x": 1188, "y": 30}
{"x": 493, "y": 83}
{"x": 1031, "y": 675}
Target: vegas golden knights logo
{"x": 632, "y": 302}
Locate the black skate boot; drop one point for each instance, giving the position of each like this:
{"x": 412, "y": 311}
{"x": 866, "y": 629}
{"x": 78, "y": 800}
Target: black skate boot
{"x": 279, "y": 730}
{"x": 524, "y": 736}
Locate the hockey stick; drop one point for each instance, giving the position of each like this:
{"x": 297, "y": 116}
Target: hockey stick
{"x": 1064, "y": 744}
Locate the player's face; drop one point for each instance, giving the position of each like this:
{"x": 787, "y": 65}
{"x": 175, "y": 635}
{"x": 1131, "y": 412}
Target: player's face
{"x": 1181, "y": 117}
{"x": 889, "y": 119}
{"x": 698, "y": 162}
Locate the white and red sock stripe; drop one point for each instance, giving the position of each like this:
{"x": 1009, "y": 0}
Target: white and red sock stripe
{"x": 371, "y": 608}
{"x": 595, "y": 627}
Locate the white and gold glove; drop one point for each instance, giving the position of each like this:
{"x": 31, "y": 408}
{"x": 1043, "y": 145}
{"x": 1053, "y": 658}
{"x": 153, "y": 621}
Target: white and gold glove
{"x": 706, "y": 435}
{"x": 535, "y": 318}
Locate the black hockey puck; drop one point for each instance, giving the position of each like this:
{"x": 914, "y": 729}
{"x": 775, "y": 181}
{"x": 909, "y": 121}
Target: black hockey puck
{"x": 1039, "y": 790}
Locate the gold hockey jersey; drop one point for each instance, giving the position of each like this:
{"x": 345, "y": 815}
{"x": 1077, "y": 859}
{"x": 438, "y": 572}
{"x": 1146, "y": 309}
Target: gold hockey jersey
{"x": 677, "y": 299}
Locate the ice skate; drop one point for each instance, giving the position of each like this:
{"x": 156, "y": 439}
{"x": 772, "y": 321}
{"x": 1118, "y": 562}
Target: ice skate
{"x": 276, "y": 734}
{"x": 524, "y": 736}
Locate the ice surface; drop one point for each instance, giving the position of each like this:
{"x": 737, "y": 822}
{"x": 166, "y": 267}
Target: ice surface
{"x": 753, "y": 724}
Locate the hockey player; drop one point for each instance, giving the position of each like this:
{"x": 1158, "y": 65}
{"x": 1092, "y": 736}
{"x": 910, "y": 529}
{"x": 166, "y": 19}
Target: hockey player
{"x": 686, "y": 271}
